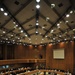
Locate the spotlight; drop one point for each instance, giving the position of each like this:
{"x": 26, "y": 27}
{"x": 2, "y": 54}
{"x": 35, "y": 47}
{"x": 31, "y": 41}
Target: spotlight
{"x": 37, "y": 6}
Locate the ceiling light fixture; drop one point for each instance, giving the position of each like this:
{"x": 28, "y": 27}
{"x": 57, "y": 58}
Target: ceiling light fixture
{"x": 36, "y": 32}
{"x": 21, "y": 31}
{"x": 37, "y": 6}
{"x": 3, "y": 31}
{"x": 37, "y": 24}
{"x": 47, "y": 18}
{"x": 1, "y": 9}
{"x": 67, "y": 15}
{"x": 37, "y": 1}
{"x": 71, "y": 12}
{"x": 66, "y": 21}
{"x": 5, "y": 13}
{"x": 52, "y": 5}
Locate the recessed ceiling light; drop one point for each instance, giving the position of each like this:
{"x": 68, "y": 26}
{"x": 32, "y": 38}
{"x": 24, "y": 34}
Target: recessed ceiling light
{"x": 59, "y": 35}
{"x": 73, "y": 29}
{"x": 58, "y": 40}
{"x": 5, "y": 13}
{"x": 3, "y": 31}
{"x": 51, "y": 31}
{"x": 42, "y": 39}
{"x": 29, "y": 39}
{"x": 37, "y": 6}
{"x": 58, "y": 24}
{"x": 60, "y": 21}
{"x": 1, "y": 9}
{"x": 18, "y": 38}
{"x": 11, "y": 35}
{"x": 30, "y": 42}
{"x": 46, "y": 36}
{"x": 74, "y": 37}
{"x": 14, "y": 22}
{"x": 19, "y": 28}
{"x": 25, "y": 35}
{"x": 47, "y": 18}
{"x": 6, "y": 38}
{"x": 66, "y": 21}
{"x": 65, "y": 39}
{"x": 1, "y": 41}
{"x": 8, "y": 42}
{"x": 37, "y": 24}
{"x": 52, "y": 5}
{"x": 1, "y": 35}
{"x": 13, "y": 40}
{"x": 67, "y": 15}
{"x": 16, "y": 25}
{"x": 53, "y": 38}
{"x": 38, "y": 1}
{"x": 36, "y": 32}
{"x": 71, "y": 12}
{"x": 43, "y": 27}
{"x": 21, "y": 31}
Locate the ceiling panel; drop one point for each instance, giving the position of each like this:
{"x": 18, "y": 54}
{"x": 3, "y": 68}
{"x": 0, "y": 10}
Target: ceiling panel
{"x": 30, "y": 10}
{"x": 48, "y": 12}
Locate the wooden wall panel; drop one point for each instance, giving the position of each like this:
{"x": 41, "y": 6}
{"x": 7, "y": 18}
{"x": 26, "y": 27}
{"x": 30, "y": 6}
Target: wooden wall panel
{"x": 30, "y": 52}
{"x": 63, "y": 64}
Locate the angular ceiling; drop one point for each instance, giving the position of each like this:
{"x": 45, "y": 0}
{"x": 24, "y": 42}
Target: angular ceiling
{"x": 22, "y": 22}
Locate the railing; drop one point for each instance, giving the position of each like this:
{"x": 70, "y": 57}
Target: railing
{"x": 14, "y": 61}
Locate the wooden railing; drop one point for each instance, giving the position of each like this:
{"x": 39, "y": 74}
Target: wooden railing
{"x": 14, "y": 61}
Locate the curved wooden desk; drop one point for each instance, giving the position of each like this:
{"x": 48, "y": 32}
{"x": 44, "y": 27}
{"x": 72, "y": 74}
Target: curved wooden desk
{"x": 44, "y": 71}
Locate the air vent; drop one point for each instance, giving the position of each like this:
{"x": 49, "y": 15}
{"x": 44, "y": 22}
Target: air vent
{"x": 16, "y": 2}
{"x": 32, "y": 9}
{"x": 72, "y": 21}
{"x": 45, "y": 25}
{"x": 30, "y": 25}
{"x": 60, "y": 5}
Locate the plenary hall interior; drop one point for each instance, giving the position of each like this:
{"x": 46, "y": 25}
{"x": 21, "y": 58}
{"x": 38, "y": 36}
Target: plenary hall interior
{"x": 37, "y": 37}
